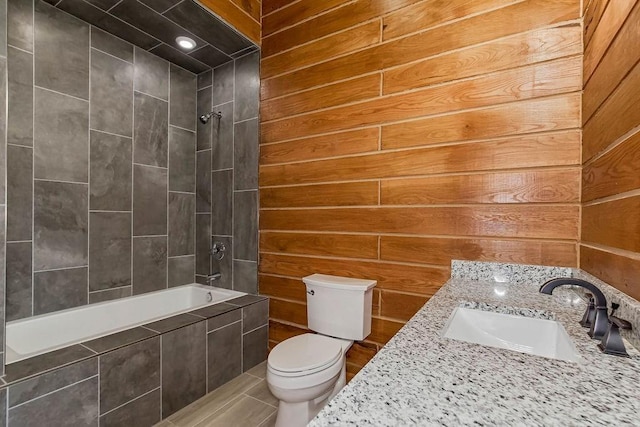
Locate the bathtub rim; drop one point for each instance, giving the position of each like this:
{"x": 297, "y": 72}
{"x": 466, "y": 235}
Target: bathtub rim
{"x": 38, "y": 365}
{"x": 9, "y": 350}
{"x": 11, "y": 356}
{"x": 139, "y": 296}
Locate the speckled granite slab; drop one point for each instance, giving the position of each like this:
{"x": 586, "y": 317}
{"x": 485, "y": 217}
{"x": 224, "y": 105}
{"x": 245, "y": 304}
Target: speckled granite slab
{"x": 420, "y": 378}
{"x": 512, "y": 273}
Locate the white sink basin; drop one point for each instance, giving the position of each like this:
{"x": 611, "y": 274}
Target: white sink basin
{"x": 541, "y": 337}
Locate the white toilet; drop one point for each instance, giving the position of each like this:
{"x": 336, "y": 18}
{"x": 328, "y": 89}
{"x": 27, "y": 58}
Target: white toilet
{"x": 305, "y": 371}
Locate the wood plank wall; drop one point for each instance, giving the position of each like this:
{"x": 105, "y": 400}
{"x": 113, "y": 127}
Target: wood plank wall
{"x": 397, "y": 135}
{"x": 243, "y": 15}
{"x": 610, "y": 247}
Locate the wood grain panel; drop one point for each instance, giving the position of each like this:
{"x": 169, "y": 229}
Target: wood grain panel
{"x": 400, "y": 306}
{"x": 352, "y": 14}
{"x": 612, "y": 19}
{"x": 296, "y": 12}
{"x": 337, "y": 245}
{"x": 375, "y": 303}
{"x": 334, "y": 145}
{"x": 382, "y": 330}
{"x": 617, "y": 116}
{"x": 615, "y": 65}
{"x": 592, "y": 17}
{"x": 429, "y": 13}
{"x": 288, "y": 310}
{"x": 279, "y": 331}
{"x": 476, "y": 141}
{"x": 619, "y": 271}
{"x": 610, "y": 244}
{"x": 538, "y": 115}
{"x": 440, "y": 251}
{"x": 321, "y": 50}
{"x": 552, "y": 149}
{"x": 360, "y": 353}
{"x": 457, "y": 35}
{"x": 516, "y": 51}
{"x": 614, "y": 223}
{"x": 251, "y": 7}
{"x": 351, "y": 371}
{"x": 343, "y": 194}
{"x": 613, "y": 173}
{"x": 357, "y": 89}
{"x": 546, "y": 221}
{"x": 236, "y": 16}
{"x": 282, "y": 287}
{"x": 539, "y": 186}
{"x": 538, "y": 80}
{"x": 270, "y": 6}
{"x": 391, "y": 276}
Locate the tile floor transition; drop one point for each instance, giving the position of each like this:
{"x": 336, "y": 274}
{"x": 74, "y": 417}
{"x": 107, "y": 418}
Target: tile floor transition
{"x": 244, "y": 401}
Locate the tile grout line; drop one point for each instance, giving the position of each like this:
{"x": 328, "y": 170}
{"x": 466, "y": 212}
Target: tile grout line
{"x": 109, "y": 289}
{"x": 222, "y": 327}
{"x": 195, "y": 191}
{"x": 33, "y": 159}
{"x": 130, "y": 401}
{"x": 58, "y": 92}
{"x": 166, "y": 101}
{"x": 132, "y": 170}
{"x": 89, "y": 189}
{"x": 105, "y": 52}
{"x": 258, "y": 400}
{"x": 62, "y": 268}
{"x": 161, "y": 390}
{"x": 169, "y": 144}
{"x": 233, "y": 193}
{"x": 49, "y": 393}
{"x": 111, "y": 133}
{"x": 99, "y": 390}
{"x": 60, "y": 181}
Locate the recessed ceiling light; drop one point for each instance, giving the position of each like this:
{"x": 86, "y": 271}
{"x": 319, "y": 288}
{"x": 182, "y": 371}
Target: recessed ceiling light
{"x": 185, "y": 42}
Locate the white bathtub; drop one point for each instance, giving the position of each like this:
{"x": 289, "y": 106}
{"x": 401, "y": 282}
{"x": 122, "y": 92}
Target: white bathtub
{"x": 41, "y": 334}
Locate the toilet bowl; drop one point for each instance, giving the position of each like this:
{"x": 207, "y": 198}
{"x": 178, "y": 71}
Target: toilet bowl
{"x": 303, "y": 373}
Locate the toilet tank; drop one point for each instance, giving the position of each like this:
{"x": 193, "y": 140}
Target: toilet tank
{"x": 339, "y": 306}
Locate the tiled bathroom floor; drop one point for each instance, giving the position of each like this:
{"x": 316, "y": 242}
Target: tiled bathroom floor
{"x": 244, "y": 401}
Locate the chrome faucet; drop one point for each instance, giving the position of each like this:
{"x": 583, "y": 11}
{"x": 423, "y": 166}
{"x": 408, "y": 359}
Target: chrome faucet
{"x": 600, "y": 323}
{"x": 213, "y": 277}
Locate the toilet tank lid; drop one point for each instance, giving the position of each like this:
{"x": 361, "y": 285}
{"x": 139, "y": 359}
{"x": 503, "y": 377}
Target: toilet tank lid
{"x": 338, "y": 282}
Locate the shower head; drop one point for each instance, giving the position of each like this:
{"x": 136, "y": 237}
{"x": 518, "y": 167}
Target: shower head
{"x": 205, "y": 117}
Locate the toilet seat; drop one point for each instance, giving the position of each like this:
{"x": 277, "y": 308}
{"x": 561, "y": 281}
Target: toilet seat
{"x": 304, "y": 355}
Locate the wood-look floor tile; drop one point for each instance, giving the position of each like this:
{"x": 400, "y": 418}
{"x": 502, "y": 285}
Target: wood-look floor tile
{"x": 270, "y": 422}
{"x": 259, "y": 371}
{"x": 247, "y": 411}
{"x": 261, "y": 392}
{"x": 214, "y": 401}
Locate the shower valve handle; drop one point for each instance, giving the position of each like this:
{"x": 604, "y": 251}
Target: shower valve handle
{"x": 217, "y": 250}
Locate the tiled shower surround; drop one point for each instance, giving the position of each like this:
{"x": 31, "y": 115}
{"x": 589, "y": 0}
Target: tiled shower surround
{"x": 102, "y": 166}
{"x": 3, "y": 169}
{"x": 227, "y": 173}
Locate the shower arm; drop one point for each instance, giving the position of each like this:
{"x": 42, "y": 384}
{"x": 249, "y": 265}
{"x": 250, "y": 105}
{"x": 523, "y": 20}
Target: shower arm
{"x": 205, "y": 117}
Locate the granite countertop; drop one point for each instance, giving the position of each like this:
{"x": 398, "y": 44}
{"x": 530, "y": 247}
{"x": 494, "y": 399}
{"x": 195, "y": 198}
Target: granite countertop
{"x": 421, "y": 378}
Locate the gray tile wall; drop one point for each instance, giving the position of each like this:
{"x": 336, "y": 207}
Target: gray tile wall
{"x": 227, "y": 173}
{"x": 138, "y": 376}
{"x": 3, "y": 176}
{"x": 101, "y": 135}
